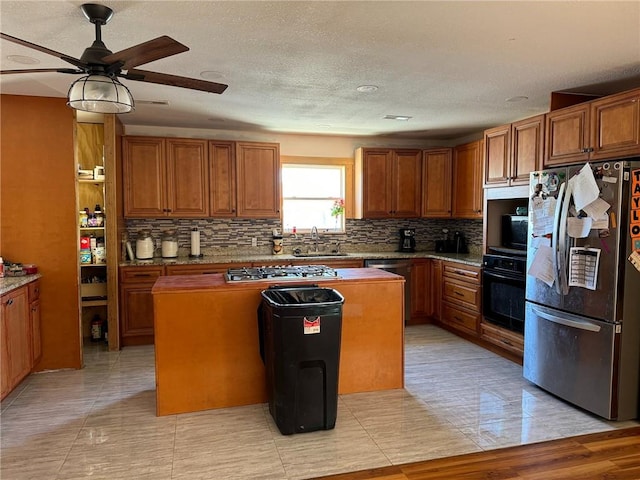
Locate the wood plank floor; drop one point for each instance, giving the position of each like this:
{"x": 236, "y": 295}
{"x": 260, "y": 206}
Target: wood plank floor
{"x": 613, "y": 455}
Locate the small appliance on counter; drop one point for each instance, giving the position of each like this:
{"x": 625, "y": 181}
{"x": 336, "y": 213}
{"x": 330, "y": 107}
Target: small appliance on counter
{"x": 407, "y": 240}
{"x": 457, "y": 245}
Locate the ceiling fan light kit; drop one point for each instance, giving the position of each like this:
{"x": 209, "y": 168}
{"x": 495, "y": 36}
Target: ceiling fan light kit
{"x": 100, "y": 94}
{"x": 99, "y": 90}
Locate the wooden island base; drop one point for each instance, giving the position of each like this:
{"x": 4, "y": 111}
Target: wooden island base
{"x": 206, "y": 338}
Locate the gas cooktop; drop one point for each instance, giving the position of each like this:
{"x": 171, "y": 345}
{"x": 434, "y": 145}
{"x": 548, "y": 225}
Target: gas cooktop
{"x": 281, "y": 272}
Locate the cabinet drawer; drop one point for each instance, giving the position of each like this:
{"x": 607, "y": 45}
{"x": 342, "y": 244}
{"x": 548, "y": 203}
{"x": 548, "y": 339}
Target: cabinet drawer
{"x": 460, "y": 318}
{"x": 468, "y": 295}
{"x": 34, "y": 290}
{"x": 201, "y": 269}
{"x": 503, "y": 338}
{"x": 141, "y": 274}
{"x": 466, "y": 273}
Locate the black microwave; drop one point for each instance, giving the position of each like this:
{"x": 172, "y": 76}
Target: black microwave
{"x": 514, "y": 231}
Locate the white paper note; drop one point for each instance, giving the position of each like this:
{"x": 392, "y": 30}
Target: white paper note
{"x": 542, "y": 214}
{"x": 597, "y": 209}
{"x": 542, "y": 265}
{"x": 600, "y": 223}
{"x": 584, "y": 187}
{"x": 583, "y": 267}
{"x": 537, "y": 242}
{"x": 579, "y": 227}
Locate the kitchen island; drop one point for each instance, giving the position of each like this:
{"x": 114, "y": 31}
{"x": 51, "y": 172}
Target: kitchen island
{"x": 207, "y": 345}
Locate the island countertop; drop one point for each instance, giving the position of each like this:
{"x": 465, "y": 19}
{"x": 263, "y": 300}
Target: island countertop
{"x": 207, "y": 337}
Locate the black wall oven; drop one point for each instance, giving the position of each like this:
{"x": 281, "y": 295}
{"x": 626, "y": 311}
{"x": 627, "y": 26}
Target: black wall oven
{"x": 503, "y": 290}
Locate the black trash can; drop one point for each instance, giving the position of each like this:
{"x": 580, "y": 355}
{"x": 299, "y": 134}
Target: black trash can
{"x": 300, "y": 331}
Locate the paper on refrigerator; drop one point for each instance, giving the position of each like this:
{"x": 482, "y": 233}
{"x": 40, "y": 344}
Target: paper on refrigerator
{"x": 584, "y": 187}
{"x": 597, "y": 209}
{"x": 542, "y": 214}
{"x": 542, "y": 265}
{"x": 579, "y": 227}
{"x": 583, "y": 267}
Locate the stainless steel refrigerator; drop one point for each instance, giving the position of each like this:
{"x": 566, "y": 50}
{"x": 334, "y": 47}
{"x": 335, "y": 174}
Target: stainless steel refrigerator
{"x": 582, "y": 323}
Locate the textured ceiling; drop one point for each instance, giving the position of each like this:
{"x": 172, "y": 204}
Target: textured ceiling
{"x": 294, "y": 66}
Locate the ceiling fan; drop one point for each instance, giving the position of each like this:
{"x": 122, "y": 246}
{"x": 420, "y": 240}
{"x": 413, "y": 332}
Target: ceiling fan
{"x": 99, "y": 90}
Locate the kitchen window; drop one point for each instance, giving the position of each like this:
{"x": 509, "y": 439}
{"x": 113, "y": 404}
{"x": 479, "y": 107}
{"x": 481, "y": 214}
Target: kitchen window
{"x": 310, "y": 191}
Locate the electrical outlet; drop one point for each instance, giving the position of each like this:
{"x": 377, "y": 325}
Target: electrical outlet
{"x": 254, "y": 241}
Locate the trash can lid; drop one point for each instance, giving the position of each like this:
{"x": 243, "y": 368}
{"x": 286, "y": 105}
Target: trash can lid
{"x": 295, "y": 296}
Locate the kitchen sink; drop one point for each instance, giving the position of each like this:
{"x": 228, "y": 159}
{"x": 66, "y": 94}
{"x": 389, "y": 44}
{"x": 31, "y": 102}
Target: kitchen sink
{"x": 319, "y": 254}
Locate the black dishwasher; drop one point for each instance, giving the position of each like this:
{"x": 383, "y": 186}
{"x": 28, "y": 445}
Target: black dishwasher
{"x": 400, "y": 267}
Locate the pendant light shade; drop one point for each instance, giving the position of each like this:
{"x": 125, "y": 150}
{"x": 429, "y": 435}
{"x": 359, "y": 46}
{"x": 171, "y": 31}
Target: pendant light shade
{"x": 100, "y": 94}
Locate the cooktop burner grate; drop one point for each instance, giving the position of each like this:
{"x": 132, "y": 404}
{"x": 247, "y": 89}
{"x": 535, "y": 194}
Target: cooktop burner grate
{"x": 284, "y": 272}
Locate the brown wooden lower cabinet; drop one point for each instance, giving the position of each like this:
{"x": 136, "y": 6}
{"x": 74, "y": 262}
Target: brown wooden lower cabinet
{"x": 136, "y": 304}
{"x": 20, "y": 343}
{"x": 511, "y": 341}
{"x": 421, "y": 304}
{"x": 461, "y": 296}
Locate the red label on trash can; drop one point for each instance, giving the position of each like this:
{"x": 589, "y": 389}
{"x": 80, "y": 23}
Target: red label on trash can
{"x": 311, "y": 326}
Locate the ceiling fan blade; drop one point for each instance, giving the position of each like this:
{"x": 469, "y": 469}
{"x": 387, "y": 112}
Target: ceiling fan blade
{"x": 175, "y": 81}
{"x": 61, "y": 56}
{"x": 146, "y": 52}
{"x": 42, "y": 70}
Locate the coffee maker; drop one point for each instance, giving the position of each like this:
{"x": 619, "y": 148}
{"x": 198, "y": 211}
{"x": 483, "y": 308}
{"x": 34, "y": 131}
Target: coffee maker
{"x": 407, "y": 240}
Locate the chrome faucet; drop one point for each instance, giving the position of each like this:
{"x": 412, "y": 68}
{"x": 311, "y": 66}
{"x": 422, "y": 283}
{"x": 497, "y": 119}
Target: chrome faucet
{"x": 314, "y": 237}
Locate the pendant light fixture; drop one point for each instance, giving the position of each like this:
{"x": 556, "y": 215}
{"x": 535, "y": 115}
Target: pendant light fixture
{"x": 100, "y": 94}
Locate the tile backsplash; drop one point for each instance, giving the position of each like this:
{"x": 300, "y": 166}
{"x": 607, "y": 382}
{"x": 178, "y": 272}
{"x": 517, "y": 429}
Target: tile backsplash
{"x": 229, "y": 236}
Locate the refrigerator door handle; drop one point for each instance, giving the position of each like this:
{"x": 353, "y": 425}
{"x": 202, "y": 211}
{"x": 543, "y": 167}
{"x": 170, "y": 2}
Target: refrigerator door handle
{"x": 577, "y": 323}
{"x": 562, "y": 234}
{"x": 554, "y": 238}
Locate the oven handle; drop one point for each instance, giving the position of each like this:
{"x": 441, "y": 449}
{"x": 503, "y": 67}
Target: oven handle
{"x": 503, "y": 277}
{"x": 577, "y": 323}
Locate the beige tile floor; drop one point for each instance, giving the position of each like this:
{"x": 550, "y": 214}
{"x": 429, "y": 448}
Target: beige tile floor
{"x": 100, "y": 423}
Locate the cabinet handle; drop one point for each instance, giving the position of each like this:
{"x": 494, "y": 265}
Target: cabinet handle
{"x": 459, "y": 294}
{"x": 37, "y": 291}
{"x": 33, "y": 309}
{"x": 9, "y": 302}
{"x": 507, "y": 342}
{"x": 141, "y": 274}
{"x": 458, "y": 319}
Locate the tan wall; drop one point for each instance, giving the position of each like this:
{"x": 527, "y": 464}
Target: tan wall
{"x": 38, "y": 214}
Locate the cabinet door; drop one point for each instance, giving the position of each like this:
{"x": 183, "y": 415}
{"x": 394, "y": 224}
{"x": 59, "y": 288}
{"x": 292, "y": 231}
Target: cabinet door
{"x": 5, "y": 376}
{"x": 36, "y": 332}
{"x": 258, "y": 180}
{"x": 144, "y": 177}
{"x": 377, "y": 183}
{"x": 421, "y": 306}
{"x": 527, "y": 147}
{"x": 136, "y": 321}
{"x": 615, "y": 126}
{"x": 497, "y": 167}
{"x": 436, "y": 183}
{"x": 222, "y": 179}
{"x": 467, "y": 180}
{"x": 187, "y": 178}
{"x": 567, "y": 135}
{"x": 436, "y": 288}
{"x": 407, "y": 183}
{"x": 15, "y": 314}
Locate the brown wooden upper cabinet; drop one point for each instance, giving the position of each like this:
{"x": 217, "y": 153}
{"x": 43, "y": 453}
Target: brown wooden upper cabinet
{"x": 512, "y": 151}
{"x": 196, "y": 178}
{"x": 222, "y": 179}
{"x": 436, "y": 183}
{"x": 391, "y": 182}
{"x": 467, "y": 180}
{"x": 165, "y": 177}
{"x": 258, "y": 180}
{"x": 602, "y": 129}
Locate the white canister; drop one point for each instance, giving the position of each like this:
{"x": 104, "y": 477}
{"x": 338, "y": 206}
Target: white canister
{"x": 169, "y": 244}
{"x": 144, "y": 245}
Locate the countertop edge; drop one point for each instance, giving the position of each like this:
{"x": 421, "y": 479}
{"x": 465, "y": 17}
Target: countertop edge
{"x": 464, "y": 258}
{"x": 9, "y": 284}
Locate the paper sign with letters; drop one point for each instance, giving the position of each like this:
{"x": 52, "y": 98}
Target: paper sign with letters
{"x": 583, "y": 267}
{"x": 597, "y": 208}
{"x": 542, "y": 215}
